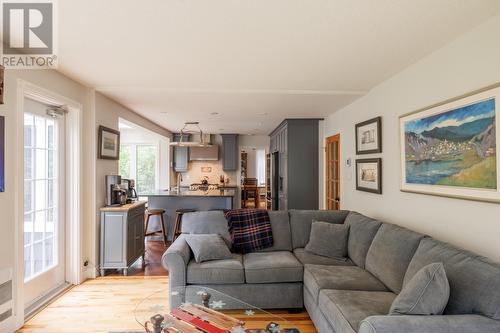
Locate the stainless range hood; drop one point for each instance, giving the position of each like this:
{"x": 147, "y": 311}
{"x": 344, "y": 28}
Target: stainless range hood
{"x": 209, "y": 153}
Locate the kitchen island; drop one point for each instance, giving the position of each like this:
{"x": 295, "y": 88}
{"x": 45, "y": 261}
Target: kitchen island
{"x": 170, "y": 201}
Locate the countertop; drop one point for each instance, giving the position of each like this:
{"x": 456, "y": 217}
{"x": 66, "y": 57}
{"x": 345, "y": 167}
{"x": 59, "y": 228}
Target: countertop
{"x": 124, "y": 208}
{"x": 210, "y": 193}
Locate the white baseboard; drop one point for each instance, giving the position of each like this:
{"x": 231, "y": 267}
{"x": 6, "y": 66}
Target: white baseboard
{"x": 9, "y": 325}
{"x": 89, "y": 273}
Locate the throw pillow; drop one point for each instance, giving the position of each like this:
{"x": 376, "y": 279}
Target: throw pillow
{"x": 207, "y": 247}
{"x": 426, "y": 293}
{"x": 328, "y": 240}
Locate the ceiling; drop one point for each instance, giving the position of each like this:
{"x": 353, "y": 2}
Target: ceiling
{"x": 243, "y": 66}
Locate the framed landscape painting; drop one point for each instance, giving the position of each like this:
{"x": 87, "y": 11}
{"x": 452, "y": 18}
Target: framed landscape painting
{"x": 451, "y": 149}
{"x": 109, "y": 143}
{"x": 369, "y": 175}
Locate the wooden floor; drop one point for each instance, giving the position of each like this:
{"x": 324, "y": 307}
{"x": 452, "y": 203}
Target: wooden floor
{"x": 114, "y": 304}
{"x": 153, "y": 267}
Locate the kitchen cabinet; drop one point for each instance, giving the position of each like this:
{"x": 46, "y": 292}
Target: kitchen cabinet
{"x": 294, "y": 148}
{"x": 229, "y": 152}
{"x": 181, "y": 154}
{"x": 122, "y": 236}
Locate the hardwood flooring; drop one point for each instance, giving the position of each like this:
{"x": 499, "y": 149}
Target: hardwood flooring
{"x": 113, "y": 304}
{"x": 153, "y": 267}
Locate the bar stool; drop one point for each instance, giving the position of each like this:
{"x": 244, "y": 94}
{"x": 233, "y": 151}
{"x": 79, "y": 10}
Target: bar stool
{"x": 162, "y": 232}
{"x": 178, "y": 220}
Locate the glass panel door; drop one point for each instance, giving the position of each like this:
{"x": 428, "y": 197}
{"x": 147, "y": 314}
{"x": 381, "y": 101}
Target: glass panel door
{"x": 43, "y": 203}
{"x": 333, "y": 172}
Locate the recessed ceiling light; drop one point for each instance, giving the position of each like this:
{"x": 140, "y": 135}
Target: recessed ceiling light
{"x": 214, "y": 113}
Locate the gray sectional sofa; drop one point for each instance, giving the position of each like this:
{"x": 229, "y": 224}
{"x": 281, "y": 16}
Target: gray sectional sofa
{"x": 351, "y": 295}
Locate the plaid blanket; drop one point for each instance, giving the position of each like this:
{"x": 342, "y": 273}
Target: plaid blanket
{"x": 250, "y": 229}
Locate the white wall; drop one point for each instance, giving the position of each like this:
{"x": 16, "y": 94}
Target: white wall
{"x": 256, "y": 141}
{"x": 251, "y": 161}
{"x": 108, "y": 113}
{"x": 466, "y": 64}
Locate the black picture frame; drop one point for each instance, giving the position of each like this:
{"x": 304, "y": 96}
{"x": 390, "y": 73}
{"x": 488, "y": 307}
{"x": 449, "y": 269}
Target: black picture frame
{"x": 101, "y": 154}
{"x": 358, "y": 126}
{"x": 378, "y": 190}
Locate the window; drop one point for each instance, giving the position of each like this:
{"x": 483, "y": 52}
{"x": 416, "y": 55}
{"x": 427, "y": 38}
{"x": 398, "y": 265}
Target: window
{"x": 139, "y": 162}
{"x": 41, "y": 153}
{"x": 261, "y": 166}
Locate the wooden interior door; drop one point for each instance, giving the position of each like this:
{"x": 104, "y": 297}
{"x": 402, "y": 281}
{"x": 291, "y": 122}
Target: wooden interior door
{"x": 333, "y": 172}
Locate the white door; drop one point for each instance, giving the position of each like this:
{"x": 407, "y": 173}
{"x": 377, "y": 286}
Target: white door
{"x": 44, "y": 203}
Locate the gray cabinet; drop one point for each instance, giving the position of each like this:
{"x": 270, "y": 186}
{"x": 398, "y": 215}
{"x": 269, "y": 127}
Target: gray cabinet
{"x": 122, "y": 236}
{"x": 181, "y": 154}
{"x": 294, "y": 147}
{"x": 229, "y": 152}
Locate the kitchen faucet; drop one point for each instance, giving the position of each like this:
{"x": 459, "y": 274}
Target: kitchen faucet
{"x": 179, "y": 180}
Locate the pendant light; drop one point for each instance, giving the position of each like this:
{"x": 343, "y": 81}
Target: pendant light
{"x": 191, "y": 127}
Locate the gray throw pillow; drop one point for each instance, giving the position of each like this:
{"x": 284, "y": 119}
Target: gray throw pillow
{"x": 328, "y": 240}
{"x": 426, "y": 293}
{"x": 207, "y": 247}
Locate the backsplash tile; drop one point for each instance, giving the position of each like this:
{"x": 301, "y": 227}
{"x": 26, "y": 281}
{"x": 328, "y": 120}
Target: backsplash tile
{"x": 199, "y": 169}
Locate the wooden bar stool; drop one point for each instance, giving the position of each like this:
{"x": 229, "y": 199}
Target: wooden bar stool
{"x": 178, "y": 220}
{"x": 162, "y": 231}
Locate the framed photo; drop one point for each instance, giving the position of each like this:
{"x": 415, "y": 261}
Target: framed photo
{"x": 369, "y": 175}
{"x": 450, "y": 149}
{"x": 2, "y": 154}
{"x": 109, "y": 143}
{"x": 369, "y": 136}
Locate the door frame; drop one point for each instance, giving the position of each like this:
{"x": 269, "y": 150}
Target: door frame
{"x": 327, "y": 139}
{"x": 73, "y": 212}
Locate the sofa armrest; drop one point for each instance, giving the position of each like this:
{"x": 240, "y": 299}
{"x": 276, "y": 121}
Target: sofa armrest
{"x": 175, "y": 260}
{"x": 429, "y": 324}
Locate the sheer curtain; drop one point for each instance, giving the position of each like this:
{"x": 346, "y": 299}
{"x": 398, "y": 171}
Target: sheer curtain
{"x": 261, "y": 166}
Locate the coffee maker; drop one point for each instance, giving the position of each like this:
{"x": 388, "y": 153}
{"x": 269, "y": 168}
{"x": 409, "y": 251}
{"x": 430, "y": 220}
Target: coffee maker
{"x": 115, "y": 194}
{"x": 129, "y": 186}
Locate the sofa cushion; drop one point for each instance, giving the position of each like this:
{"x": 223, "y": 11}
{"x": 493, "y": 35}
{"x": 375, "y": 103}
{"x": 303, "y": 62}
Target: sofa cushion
{"x": 362, "y": 230}
{"x": 207, "y": 247}
{"x": 271, "y": 267}
{"x": 282, "y": 236}
{"x": 429, "y": 324}
{"x": 301, "y": 220}
{"x": 474, "y": 280}
{"x": 206, "y": 222}
{"x": 226, "y": 271}
{"x": 314, "y": 259}
{"x": 319, "y": 277}
{"x": 345, "y": 309}
{"x": 426, "y": 293}
{"x": 390, "y": 253}
{"x": 328, "y": 239}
